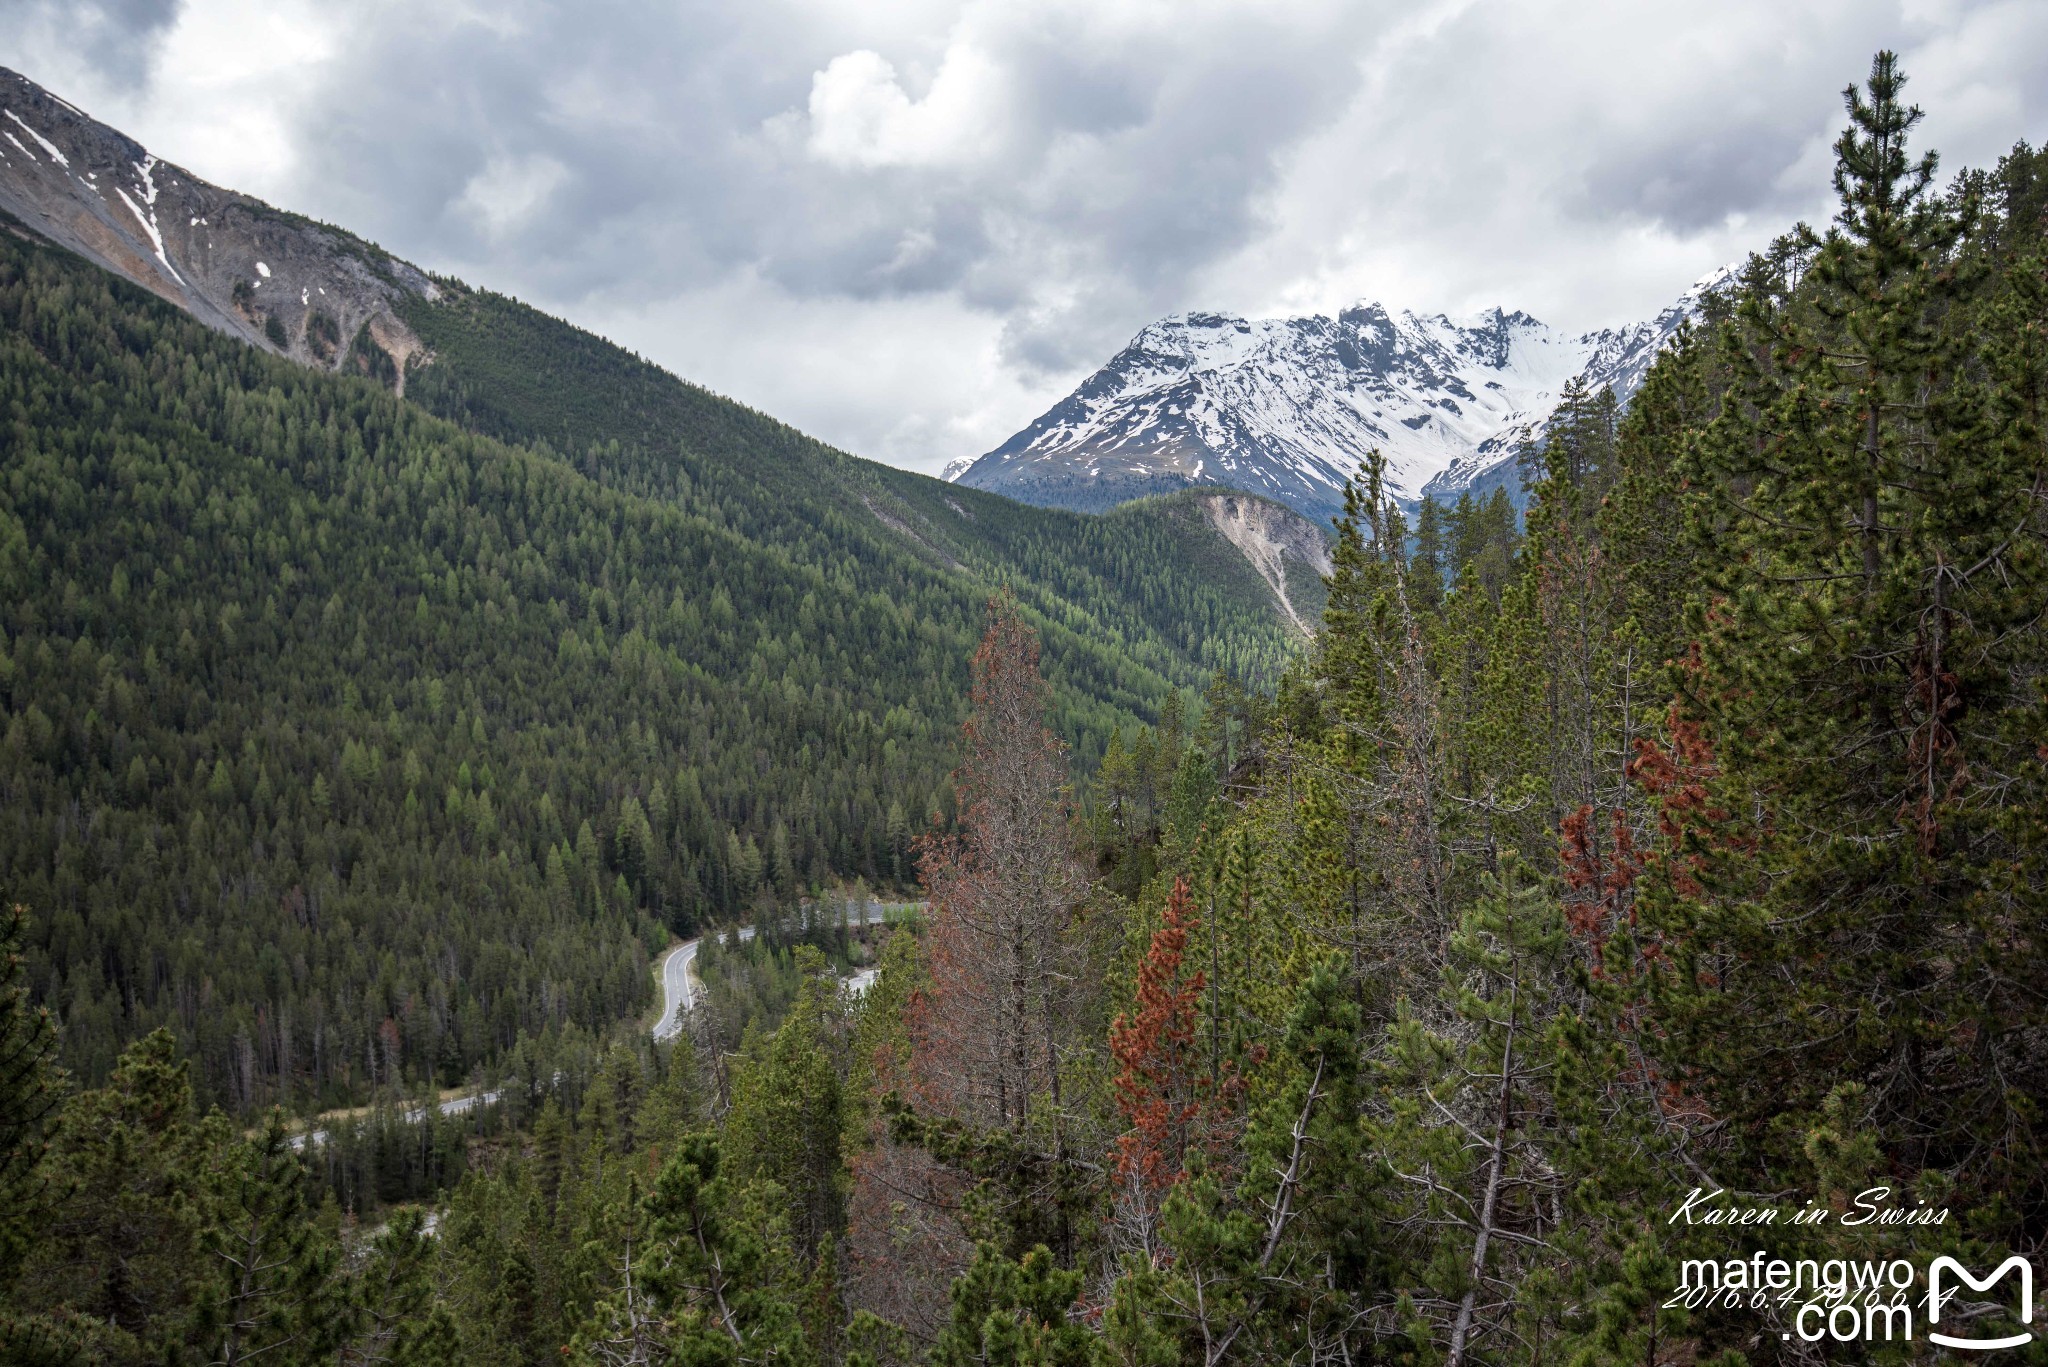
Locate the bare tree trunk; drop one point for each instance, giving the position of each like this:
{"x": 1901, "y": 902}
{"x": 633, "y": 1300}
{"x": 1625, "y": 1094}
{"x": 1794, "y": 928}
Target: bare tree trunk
{"x": 1461, "y": 1331}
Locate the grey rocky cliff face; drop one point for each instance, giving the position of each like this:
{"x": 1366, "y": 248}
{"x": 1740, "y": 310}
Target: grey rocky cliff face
{"x": 316, "y": 294}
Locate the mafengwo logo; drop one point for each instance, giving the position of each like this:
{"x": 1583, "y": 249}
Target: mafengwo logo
{"x": 1936, "y": 1300}
{"x": 1848, "y": 1300}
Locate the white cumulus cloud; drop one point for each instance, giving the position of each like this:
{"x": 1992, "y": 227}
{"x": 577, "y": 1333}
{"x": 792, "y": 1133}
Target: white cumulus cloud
{"x": 861, "y": 116}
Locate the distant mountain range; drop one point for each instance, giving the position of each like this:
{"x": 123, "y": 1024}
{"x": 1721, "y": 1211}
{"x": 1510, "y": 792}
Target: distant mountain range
{"x": 1286, "y": 407}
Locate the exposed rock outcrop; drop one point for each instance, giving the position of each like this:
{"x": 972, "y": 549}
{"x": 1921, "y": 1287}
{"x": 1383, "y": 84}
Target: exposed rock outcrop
{"x": 1268, "y": 536}
{"x": 301, "y": 289}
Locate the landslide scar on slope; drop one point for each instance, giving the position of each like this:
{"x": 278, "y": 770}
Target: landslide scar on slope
{"x": 1266, "y": 534}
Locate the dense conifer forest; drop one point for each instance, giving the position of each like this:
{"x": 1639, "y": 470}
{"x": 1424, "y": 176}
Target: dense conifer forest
{"x": 1678, "y": 849}
{"x": 357, "y": 747}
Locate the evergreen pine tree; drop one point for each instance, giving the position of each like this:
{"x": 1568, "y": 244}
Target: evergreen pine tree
{"x": 1014, "y": 1313}
{"x": 397, "y": 1318}
{"x": 1869, "y": 521}
{"x": 1427, "y": 565}
{"x": 126, "y": 1167}
{"x": 711, "y": 1269}
{"x": 269, "y": 1285}
{"x": 786, "y": 1119}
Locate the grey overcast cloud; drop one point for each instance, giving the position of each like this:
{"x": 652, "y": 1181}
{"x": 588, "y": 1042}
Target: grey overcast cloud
{"x": 909, "y": 226}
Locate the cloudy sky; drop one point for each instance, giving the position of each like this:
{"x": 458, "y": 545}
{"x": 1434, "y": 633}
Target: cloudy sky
{"x": 908, "y": 226}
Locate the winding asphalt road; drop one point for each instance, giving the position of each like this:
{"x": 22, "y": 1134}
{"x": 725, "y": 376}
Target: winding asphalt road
{"x": 679, "y": 995}
{"x": 677, "y": 975}
{"x": 458, "y": 1105}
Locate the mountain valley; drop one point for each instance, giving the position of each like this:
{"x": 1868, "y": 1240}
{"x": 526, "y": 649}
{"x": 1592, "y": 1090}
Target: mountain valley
{"x": 423, "y": 595}
{"x": 509, "y": 856}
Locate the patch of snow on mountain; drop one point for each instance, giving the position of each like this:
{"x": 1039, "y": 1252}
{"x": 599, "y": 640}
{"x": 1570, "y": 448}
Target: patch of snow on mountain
{"x": 146, "y": 187}
{"x": 44, "y": 142}
{"x": 156, "y": 239}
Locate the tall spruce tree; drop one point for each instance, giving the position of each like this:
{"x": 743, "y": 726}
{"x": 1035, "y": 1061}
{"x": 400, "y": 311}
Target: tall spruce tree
{"x": 1858, "y": 735}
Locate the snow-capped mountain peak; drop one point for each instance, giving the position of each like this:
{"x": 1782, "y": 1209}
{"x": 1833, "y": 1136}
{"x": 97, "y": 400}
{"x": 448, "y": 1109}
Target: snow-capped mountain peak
{"x": 1286, "y": 407}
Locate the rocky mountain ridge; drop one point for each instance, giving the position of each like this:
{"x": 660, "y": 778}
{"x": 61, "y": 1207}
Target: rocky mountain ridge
{"x": 1286, "y": 407}
{"x": 278, "y": 281}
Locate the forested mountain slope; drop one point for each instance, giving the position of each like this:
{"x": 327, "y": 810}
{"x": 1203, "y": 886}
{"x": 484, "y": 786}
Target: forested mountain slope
{"x": 355, "y": 745}
{"x": 1164, "y": 587}
{"x": 328, "y": 299}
